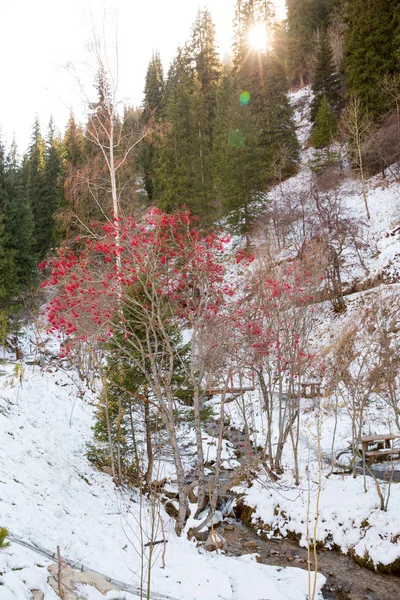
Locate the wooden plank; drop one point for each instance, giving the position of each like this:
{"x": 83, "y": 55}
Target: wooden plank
{"x": 378, "y": 438}
{"x": 383, "y": 452}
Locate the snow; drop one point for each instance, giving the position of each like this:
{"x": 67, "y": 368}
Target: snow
{"x": 50, "y": 495}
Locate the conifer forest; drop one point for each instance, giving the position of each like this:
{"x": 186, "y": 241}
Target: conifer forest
{"x": 200, "y": 313}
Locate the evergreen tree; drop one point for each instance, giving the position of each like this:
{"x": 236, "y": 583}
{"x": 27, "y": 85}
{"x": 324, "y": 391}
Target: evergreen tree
{"x": 204, "y": 51}
{"x": 72, "y": 186}
{"x": 325, "y": 127}
{"x": 274, "y": 113}
{"x": 183, "y": 170}
{"x": 370, "y": 50}
{"x": 250, "y": 14}
{"x": 305, "y": 17}
{"x": 34, "y": 183}
{"x": 46, "y": 226}
{"x": 8, "y": 272}
{"x": 18, "y": 222}
{"x": 237, "y": 157}
{"x": 326, "y": 83}
{"x": 153, "y": 97}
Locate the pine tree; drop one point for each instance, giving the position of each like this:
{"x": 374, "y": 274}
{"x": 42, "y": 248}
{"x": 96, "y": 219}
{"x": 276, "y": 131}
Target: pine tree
{"x": 46, "y": 227}
{"x": 34, "y": 183}
{"x": 250, "y": 14}
{"x": 18, "y": 222}
{"x": 325, "y": 127}
{"x": 183, "y": 171}
{"x": 276, "y": 120}
{"x": 204, "y": 54}
{"x": 72, "y": 185}
{"x": 204, "y": 51}
{"x": 237, "y": 157}
{"x": 326, "y": 83}
{"x": 153, "y": 97}
{"x": 370, "y": 50}
{"x": 305, "y": 17}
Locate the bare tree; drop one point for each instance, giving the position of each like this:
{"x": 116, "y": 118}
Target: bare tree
{"x": 357, "y": 125}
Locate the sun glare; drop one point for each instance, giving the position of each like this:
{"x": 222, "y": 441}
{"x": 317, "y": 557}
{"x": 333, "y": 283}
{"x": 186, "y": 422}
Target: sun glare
{"x": 258, "y": 37}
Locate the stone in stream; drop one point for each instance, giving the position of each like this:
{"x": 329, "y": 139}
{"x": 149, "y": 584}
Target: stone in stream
{"x": 251, "y": 544}
{"x": 214, "y": 542}
{"x": 37, "y": 595}
{"x": 229, "y": 527}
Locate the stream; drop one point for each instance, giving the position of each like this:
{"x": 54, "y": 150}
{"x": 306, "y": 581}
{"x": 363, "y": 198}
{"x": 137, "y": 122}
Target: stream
{"x": 346, "y": 580}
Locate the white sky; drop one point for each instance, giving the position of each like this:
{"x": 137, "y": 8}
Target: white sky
{"x": 38, "y": 38}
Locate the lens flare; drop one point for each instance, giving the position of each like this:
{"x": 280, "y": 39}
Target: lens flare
{"x": 244, "y": 98}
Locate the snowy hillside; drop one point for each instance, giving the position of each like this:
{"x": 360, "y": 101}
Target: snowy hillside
{"x": 50, "y": 495}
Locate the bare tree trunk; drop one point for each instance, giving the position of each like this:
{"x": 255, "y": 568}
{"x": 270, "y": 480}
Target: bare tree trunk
{"x": 149, "y": 446}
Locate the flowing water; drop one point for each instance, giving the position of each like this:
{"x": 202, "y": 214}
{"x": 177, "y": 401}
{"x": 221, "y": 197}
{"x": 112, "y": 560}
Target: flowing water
{"x": 346, "y": 580}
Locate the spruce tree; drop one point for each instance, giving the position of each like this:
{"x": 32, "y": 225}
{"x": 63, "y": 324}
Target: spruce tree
{"x": 46, "y": 227}
{"x": 72, "y": 186}
{"x": 204, "y": 54}
{"x": 325, "y": 126}
{"x": 370, "y": 50}
{"x": 305, "y": 17}
{"x": 183, "y": 171}
{"x": 34, "y": 183}
{"x": 204, "y": 51}
{"x": 326, "y": 83}
{"x": 276, "y": 120}
{"x": 18, "y": 222}
{"x": 153, "y": 97}
{"x": 237, "y": 157}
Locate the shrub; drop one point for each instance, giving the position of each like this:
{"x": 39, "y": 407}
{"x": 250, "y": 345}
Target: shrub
{"x": 3, "y": 536}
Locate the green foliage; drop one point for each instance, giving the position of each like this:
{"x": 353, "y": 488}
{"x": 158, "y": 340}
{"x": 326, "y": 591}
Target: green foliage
{"x": 371, "y": 49}
{"x": 325, "y": 126}
{"x": 237, "y": 155}
{"x": 128, "y": 384}
{"x": 18, "y": 223}
{"x": 305, "y": 17}
{"x": 3, "y": 536}
{"x": 184, "y": 160}
{"x": 326, "y": 83}
{"x": 153, "y": 97}
{"x": 34, "y": 183}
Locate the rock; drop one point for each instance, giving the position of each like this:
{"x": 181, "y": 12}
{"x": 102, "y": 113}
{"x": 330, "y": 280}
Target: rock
{"x": 214, "y": 542}
{"x": 37, "y": 595}
{"x": 250, "y": 545}
{"x": 215, "y": 521}
{"x": 172, "y": 508}
{"x": 70, "y": 579}
{"x": 192, "y": 492}
{"x": 229, "y": 527}
{"x": 171, "y": 491}
{"x": 201, "y": 535}
{"x": 290, "y": 558}
{"x": 158, "y": 485}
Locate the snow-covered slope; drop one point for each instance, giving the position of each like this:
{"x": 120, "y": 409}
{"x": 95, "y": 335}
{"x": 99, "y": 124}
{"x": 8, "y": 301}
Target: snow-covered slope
{"x": 50, "y": 495}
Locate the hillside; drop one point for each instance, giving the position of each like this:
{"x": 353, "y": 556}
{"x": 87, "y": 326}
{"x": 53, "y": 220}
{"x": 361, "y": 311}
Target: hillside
{"x": 50, "y": 495}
